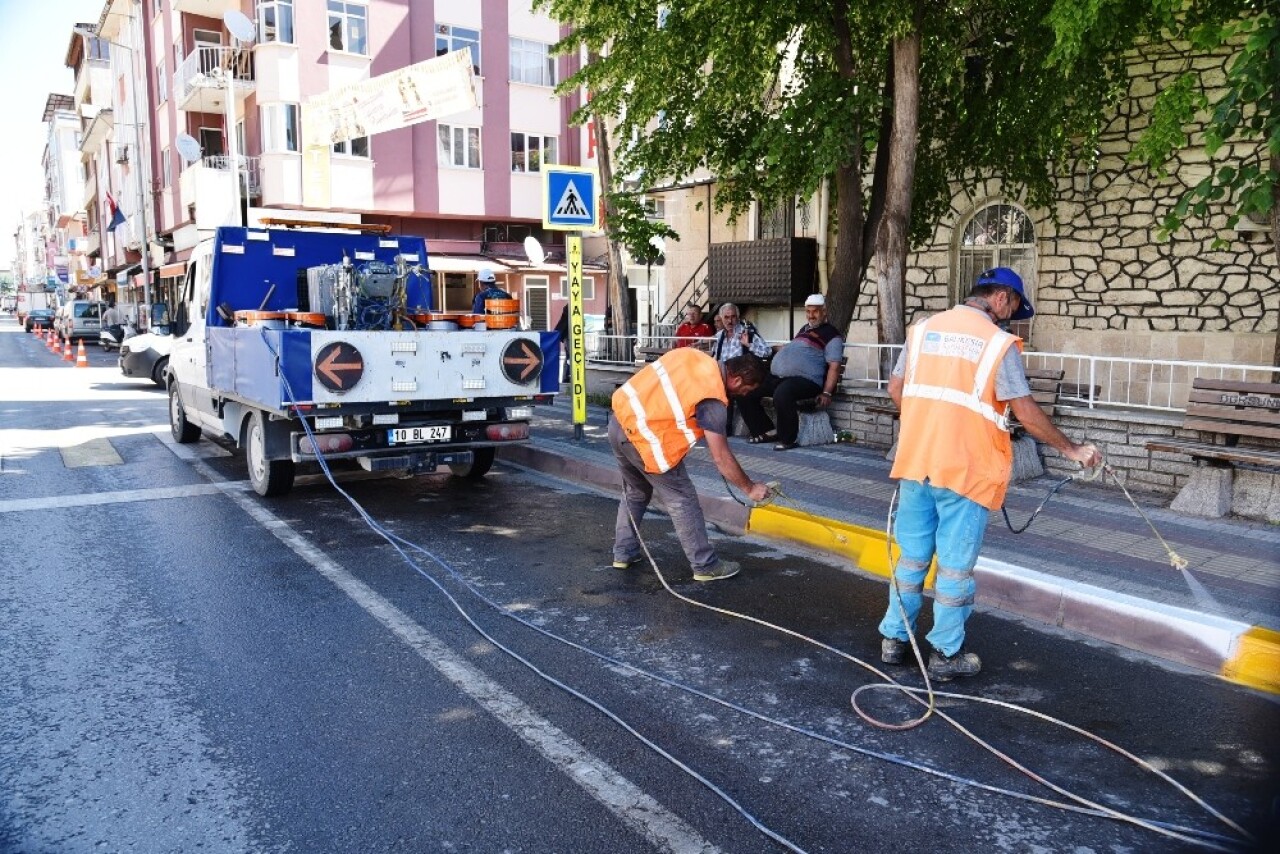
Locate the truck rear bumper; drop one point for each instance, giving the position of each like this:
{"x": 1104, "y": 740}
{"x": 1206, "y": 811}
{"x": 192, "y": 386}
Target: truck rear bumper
{"x": 374, "y": 444}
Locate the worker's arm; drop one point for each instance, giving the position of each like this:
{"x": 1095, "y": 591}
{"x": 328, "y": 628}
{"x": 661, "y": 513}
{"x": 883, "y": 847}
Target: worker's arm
{"x": 1032, "y": 417}
{"x": 895, "y": 391}
{"x": 728, "y": 465}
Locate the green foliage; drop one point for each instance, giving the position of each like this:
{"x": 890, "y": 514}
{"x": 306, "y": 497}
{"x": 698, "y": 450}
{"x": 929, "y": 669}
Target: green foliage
{"x": 1235, "y": 117}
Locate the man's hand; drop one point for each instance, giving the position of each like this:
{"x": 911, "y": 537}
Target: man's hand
{"x": 1086, "y": 455}
{"x": 822, "y": 401}
{"x": 745, "y": 338}
{"x": 758, "y": 492}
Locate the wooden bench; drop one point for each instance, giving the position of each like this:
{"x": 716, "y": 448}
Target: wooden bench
{"x": 1230, "y": 410}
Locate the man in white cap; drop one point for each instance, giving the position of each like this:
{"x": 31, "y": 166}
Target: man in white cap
{"x": 486, "y": 288}
{"x": 805, "y": 368}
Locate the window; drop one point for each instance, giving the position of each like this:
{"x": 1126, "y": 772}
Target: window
{"x": 450, "y": 38}
{"x": 275, "y": 21}
{"x": 166, "y": 171}
{"x": 357, "y": 147}
{"x": 531, "y": 62}
{"x": 998, "y": 235}
{"x": 99, "y": 49}
{"x": 459, "y": 146}
{"x": 530, "y": 151}
{"x": 280, "y": 127}
{"x": 588, "y": 287}
{"x": 348, "y": 27}
{"x": 655, "y": 210}
{"x": 162, "y": 93}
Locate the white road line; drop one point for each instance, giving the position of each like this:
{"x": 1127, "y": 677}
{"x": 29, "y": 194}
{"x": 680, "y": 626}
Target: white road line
{"x": 663, "y": 829}
{"x": 62, "y": 502}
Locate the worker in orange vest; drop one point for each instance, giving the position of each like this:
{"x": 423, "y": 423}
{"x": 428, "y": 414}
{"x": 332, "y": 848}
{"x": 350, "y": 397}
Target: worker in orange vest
{"x": 957, "y": 380}
{"x": 658, "y": 416}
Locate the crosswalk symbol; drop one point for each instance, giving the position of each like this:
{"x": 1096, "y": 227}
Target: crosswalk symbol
{"x": 570, "y": 198}
{"x": 570, "y": 204}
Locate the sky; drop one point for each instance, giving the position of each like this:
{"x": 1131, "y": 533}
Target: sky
{"x": 34, "y": 35}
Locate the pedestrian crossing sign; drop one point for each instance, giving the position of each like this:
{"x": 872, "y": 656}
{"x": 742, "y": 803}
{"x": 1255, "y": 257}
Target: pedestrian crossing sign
{"x": 570, "y": 199}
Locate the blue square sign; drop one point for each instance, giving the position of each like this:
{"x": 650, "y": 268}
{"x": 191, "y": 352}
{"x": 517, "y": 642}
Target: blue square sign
{"x": 570, "y": 201}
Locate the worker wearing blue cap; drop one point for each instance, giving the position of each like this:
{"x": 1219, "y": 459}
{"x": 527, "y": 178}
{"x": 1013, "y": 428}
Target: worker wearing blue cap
{"x": 957, "y": 381}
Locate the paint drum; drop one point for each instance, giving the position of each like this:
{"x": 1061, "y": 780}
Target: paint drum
{"x": 468, "y": 321}
{"x": 479, "y": 326}
{"x": 502, "y": 313}
{"x": 442, "y": 326}
{"x": 269, "y": 319}
{"x": 305, "y": 319}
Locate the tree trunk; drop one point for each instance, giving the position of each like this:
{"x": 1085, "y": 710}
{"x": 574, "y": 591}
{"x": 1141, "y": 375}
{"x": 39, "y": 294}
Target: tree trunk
{"x": 895, "y": 223}
{"x": 1275, "y": 231}
{"x": 616, "y": 292}
{"x": 846, "y": 273}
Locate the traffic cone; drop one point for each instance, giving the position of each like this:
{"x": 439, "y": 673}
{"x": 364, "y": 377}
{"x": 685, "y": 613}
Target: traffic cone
{"x": 66, "y": 351}
{"x": 51, "y": 341}
{"x": 82, "y": 360}
{"x": 39, "y": 331}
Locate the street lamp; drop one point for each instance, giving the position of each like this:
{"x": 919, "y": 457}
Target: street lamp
{"x": 142, "y": 194}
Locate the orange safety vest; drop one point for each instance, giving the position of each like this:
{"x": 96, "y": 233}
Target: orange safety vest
{"x": 954, "y": 432}
{"x": 656, "y": 407}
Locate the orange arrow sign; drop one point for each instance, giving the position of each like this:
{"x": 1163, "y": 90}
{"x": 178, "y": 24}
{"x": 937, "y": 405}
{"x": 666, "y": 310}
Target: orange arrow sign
{"x": 335, "y": 373}
{"x": 530, "y": 359}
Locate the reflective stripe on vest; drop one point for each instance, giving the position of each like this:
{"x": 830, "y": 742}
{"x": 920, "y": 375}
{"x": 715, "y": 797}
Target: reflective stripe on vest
{"x": 972, "y": 399}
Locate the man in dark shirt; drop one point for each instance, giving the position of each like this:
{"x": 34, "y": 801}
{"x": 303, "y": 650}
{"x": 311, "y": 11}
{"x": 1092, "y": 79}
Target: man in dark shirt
{"x": 487, "y": 286}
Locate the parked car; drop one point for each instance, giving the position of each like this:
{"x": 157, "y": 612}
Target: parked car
{"x": 146, "y": 356}
{"x": 80, "y": 318}
{"x": 42, "y": 316}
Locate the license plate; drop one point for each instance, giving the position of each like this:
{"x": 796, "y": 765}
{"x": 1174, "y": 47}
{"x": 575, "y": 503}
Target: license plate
{"x": 412, "y": 435}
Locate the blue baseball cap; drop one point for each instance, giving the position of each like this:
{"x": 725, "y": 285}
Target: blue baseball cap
{"x": 1003, "y": 277}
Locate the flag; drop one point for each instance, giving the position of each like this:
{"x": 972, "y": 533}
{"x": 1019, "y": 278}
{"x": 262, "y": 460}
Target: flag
{"x": 117, "y": 218}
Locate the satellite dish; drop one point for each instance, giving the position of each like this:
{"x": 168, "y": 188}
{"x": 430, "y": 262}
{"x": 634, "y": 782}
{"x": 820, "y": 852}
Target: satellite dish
{"x": 659, "y": 244}
{"x": 239, "y": 25}
{"x": 188, "y": 148}
{"x": 533, "y": 249}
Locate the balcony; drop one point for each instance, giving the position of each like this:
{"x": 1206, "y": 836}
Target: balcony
{"x": 203, "y": 79}
{"x": 206, "y": 8}
{"x": 206, "y": 188}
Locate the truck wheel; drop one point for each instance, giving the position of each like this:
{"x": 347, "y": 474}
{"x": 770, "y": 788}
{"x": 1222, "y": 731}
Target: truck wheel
{"x": 184, "y": 432}
{"x": 268, "y": 477}
{"x": 481, "y": 462}
{"x": 157, "y": 371}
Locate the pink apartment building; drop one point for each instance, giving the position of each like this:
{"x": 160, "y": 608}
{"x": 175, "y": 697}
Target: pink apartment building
{"x": 469, "y": 183}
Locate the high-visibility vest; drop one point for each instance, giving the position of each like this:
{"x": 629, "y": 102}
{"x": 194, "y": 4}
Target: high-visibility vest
{"x": 954, "y": 432}
{"x": 656, "y": 407}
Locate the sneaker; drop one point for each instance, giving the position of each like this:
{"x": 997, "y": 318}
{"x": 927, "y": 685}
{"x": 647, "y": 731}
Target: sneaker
{"x": 892, "y": 650}
{"x": 628, "y": 563}
{"x": 943, "y": 668}
{"x": 717, "y": 571}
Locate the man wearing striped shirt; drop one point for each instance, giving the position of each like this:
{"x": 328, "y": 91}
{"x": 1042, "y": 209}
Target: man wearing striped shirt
{"x": 658, "y": 416}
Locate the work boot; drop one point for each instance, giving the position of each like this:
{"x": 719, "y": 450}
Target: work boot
{"x": 628, "y": 563}
{"x": 944, "y": 668}
{"x": 717, "y": 571}
{"x": 892, "y": 650}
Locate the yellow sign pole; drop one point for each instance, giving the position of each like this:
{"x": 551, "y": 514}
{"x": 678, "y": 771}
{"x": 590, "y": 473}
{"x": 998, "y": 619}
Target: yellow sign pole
{"x": 577, "y": 338}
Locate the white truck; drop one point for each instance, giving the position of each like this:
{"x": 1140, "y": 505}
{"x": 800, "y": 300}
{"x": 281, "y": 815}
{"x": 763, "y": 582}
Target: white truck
{"x": 29, "y": 300}
{"x": 297, "y": 343}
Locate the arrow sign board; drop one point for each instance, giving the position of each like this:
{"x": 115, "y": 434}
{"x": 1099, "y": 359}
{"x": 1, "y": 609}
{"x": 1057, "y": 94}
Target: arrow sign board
{"x": 339, "y": 366}
{"x": 570, "y": 198}
{"x": 522, "y": 361}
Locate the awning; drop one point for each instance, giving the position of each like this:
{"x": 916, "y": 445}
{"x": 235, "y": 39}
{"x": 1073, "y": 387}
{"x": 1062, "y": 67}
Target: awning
{"x": 168, "y": 271}
{"x": 463, "y": 264}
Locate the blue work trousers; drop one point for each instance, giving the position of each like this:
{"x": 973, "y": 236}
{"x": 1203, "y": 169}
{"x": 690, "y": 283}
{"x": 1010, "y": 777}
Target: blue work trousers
{"x": 932, "y": 520}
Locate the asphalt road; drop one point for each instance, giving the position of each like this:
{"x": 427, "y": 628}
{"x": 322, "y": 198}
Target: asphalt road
{"x": 185, "y": 666}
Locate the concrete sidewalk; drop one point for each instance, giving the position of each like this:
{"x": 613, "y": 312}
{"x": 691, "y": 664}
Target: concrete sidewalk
{"x": 1088, "y": 563}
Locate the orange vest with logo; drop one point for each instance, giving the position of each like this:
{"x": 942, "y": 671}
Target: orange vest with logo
{"x": 954, "y": 432}
{"x": 656, "y": 407}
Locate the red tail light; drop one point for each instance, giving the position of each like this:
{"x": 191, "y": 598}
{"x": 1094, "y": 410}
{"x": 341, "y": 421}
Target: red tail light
{"x": 507, "y": 432}
{"x": 328, "y": 443}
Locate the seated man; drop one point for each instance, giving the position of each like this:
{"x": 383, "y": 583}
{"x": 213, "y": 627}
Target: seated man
{"x": 737, "y": 336}
{"x": 804, "y": 368}
{"x": 694, "y": 327}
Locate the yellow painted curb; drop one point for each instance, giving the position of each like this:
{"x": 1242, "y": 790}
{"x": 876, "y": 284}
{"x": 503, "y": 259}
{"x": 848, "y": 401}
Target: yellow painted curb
{"x": 864, "y": 547}
{"x": 1256, "y": 661}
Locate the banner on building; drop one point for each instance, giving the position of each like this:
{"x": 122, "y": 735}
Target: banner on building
{"x": 417, "y": 93}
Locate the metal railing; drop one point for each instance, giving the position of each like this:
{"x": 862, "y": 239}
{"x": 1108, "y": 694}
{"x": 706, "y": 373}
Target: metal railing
{"x": 1093, "y": 382}
{"x": 250, "y": 170}
{"x": 213, "y": 66}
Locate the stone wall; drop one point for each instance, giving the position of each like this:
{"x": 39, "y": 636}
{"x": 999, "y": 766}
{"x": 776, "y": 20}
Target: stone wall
{"x": 1099, "y": 265}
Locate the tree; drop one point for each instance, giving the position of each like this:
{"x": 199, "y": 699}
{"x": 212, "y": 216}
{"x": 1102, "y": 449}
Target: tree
{"x": 1239, "y": 116}
{"x": 775, "y": 98}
